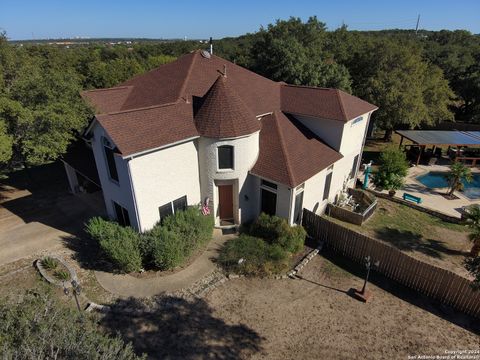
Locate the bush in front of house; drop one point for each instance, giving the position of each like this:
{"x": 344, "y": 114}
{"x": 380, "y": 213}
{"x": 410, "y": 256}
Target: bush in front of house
{"x": 264, "y": 248}
{"x": 120, "y": 244}
{"x": 249, "y": 255}
{"x": 192, "y": 226}
{"x": 164, "y": 247}
{"x": 275, "y": 230}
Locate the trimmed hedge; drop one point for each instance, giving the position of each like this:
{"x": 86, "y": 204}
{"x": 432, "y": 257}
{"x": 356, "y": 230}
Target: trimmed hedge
{"x": 265, "y": 247}
{"x": 164, "y": 247}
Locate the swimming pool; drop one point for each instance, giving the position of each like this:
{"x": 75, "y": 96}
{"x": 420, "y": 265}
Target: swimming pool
{"x": 437, "y": 179}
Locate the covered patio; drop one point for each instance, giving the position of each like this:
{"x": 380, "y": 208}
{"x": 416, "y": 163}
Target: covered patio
{"x": 459, "y": 145}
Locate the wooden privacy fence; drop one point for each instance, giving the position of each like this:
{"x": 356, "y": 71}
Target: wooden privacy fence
{"x": 440, "y": 284}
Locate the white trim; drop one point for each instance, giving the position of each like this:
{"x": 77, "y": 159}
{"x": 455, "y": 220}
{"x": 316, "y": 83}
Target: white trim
{"x": 140, "y": 153}
{"x": 264, "y": 114}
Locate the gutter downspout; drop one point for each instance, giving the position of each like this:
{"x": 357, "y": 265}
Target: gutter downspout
{"x": 132, "y": 189}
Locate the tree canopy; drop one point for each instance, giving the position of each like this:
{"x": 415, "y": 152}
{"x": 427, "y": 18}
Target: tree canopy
{"x": 416, "y": 79}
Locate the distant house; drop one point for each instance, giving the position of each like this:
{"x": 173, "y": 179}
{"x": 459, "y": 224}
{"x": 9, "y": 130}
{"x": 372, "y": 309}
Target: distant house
{"x": 202, "y": 130}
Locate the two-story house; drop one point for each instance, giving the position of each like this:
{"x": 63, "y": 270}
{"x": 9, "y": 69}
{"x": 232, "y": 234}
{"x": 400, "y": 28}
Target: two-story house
{"x": 204, "y": 130}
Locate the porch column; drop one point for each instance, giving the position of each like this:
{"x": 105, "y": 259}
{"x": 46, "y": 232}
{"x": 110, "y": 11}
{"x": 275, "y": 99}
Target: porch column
{"x": 420, "y": 153}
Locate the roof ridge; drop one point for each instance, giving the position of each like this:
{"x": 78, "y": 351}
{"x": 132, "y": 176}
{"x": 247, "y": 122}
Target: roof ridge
{"x": 306, "y": 86}
{"x": 283, "y": 147}
{"x": 109, "y": 89}
{"x": 142, "y": 108}
{"x": 189, "y": 72}
{"x": 342, "y": 106}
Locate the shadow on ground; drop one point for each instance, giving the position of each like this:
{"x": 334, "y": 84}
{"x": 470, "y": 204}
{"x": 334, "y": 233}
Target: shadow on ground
{"x": 410, "y": 241}
{"x": 402, "y": 292}
{"x": 180, "y": 329}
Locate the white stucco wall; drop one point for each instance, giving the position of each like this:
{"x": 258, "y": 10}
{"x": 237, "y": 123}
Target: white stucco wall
{"x": 330, "y": 131}
{"x": 245, "y": 155}
{"x": 348, "y": 139}
{"x": 162, "y": 176}
{"x": 112, "y": 191}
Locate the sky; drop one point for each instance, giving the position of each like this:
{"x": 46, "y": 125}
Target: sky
{"x": 200, "y": 19}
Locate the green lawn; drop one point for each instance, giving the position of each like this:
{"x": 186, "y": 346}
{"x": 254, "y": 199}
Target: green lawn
{"x": 419, "y": 234}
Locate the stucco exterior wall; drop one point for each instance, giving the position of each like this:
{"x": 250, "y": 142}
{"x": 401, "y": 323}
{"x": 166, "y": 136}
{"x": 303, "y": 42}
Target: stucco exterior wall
{"x": 330, "y": 131}
{"x": 245, "y": 155}
{"x": 163, "y": 176}
{"x": 120, "y": 191}
{"x": 313, "y": 193}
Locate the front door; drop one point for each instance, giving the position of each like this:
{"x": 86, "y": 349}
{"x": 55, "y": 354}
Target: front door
{"x": 225, "y": 202}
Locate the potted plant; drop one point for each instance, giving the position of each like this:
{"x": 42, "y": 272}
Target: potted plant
{"x": 394, "y": 183}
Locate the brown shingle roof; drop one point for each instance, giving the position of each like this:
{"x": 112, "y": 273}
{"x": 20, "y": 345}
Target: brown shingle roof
{"x": 223, "y": 114}
{"x": 134, "y": 131}
{"x": 323, "y": 103}
{"x": 289, "y": 152}
{"x": 107, "y": 100}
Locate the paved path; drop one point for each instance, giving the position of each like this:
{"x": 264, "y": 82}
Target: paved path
{"x": 129, "y": 286}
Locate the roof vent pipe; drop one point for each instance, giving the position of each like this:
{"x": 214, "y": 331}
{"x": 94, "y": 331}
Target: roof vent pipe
{"x": 211, "y": 46}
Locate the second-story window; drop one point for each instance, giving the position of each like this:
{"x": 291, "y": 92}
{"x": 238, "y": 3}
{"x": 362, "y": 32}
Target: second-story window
{"x": 225, "y": 157}
{"x": 110, "y": 157}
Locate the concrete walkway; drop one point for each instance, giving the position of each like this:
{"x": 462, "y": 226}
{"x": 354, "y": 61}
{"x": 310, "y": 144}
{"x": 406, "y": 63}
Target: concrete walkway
{"x": 129, "y": 286}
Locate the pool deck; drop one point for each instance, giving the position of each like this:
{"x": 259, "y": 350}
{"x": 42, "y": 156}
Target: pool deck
{"x": 434, "y": 198}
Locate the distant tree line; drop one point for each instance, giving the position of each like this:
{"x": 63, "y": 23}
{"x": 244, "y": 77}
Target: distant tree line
{"x": 415, "y": 79}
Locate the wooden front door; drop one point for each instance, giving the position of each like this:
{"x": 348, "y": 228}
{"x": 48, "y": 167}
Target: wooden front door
{"x": 225, "y": 201}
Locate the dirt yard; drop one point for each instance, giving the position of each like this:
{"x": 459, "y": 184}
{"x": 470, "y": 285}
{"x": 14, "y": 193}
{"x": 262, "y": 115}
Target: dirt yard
{"x": 308, "y": 318}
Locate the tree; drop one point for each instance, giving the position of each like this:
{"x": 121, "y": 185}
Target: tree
{"x": 473, "y": 266}
{"x": 40, "y": 327}
{"x": 295, "y": 52}
{"x": 472, "y": 219}
{"x": 408, "y": 91}
{"x": 393, "y": 167}
{"x": 457, "y": 174}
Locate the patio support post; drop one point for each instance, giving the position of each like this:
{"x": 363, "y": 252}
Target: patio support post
{"x": 401, "y": 142}
{"x": 420, "y": 153}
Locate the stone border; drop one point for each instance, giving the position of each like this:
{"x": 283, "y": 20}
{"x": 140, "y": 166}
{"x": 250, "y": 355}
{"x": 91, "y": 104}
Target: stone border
{"x": 292, "y": 273}
{"x": 43, "y": 272}
{"x": 438, "y": 214}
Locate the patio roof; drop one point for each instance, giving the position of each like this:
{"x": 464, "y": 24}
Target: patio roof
{"x": 440, "y": 137}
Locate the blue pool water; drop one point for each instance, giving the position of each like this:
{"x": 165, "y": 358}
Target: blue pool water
{"x": 436, "y": 179}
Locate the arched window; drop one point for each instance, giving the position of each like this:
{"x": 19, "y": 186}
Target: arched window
{"x": 225, "y": 157}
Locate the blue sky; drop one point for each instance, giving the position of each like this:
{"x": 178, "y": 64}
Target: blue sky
{"x": 22, "y": 19}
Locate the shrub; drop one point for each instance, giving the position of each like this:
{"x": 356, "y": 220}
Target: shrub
{"x": 276, "y": 230}
{"x": 50, "y": 263}
{"x": 249, "y": 255}
{"x": 120, "y": 244}
{"x": 167, "y": 249}
{"x": 39, "y": 326}
{"x": 62, "y": 274}
{"x": 194, "y": 228}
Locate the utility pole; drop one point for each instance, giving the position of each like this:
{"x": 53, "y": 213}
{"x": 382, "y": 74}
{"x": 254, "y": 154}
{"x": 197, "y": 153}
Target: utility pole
{"x": 418, "y": 22}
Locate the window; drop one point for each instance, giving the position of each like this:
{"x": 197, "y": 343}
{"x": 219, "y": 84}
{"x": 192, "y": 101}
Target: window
{"x": 172, "y": 207}
{"x": 121, "y": 214}
{"x": 297, "y": 213}
{"x": 357, "y": 120}
{"x": 269, "y": 184}
{"x": 180, "y": 204}
{"x": 354, "y": 167}
{"x": 112, "y": 167}
{"x": 225, "y": 157}
{"x": 165, "y": 210}
{"x": 326, "y": 189}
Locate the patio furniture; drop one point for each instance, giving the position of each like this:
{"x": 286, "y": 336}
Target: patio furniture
{"x": 412, "y": 198}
